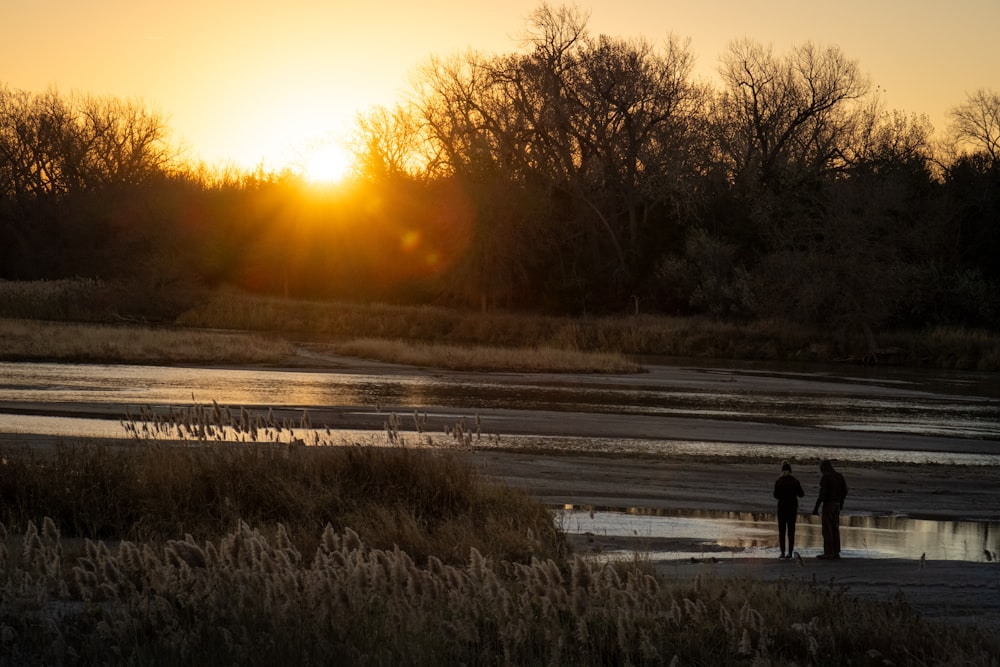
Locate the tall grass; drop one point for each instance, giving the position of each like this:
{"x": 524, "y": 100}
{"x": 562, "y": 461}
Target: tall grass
{"x": 691, "y": 337}
{"x": 261, "y": 553}
{"x": 425, "y": 501}
{"x": 483, "y": 358}
{"x": 265, "y": 592}
{"x": 50, "y": 341}
{"x": 88, "y": 300}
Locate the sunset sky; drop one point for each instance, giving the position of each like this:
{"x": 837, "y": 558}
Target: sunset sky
{"x": 257, "y": 80}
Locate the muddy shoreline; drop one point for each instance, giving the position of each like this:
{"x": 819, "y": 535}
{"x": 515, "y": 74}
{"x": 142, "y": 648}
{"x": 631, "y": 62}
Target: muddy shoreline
{"x": 659, "y": 479}
{"x": 956, "y": 591}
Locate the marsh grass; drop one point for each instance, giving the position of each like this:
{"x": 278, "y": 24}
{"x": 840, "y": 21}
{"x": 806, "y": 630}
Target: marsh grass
{"x": 89, "y": 300}
{"x": 252, "y": 597}
{"x": 484, "y": 358}
{"x": 425, "y": 501}
{"x": 682, "y": 337}
{"x": 336, "y": 322}
{"x": 29, "y": 340}
{"x": 204, "y": 552}
{"x": 266, "y": 552}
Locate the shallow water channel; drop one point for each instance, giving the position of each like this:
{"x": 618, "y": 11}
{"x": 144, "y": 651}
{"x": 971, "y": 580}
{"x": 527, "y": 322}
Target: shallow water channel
{"x": 737, "y": 410}
{"x": 665, "y": 535}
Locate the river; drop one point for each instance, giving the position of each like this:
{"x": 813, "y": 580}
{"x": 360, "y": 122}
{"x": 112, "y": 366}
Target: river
{"x": 742, "y": 410}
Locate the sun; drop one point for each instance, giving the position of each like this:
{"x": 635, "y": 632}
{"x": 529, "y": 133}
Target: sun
{"x": 326, "y": 163}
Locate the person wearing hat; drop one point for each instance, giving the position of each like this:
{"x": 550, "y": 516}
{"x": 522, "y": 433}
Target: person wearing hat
{"x": 788, "y": 491}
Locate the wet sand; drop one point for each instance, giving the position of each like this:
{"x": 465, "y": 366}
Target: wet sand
{"x": 960, "y": 591}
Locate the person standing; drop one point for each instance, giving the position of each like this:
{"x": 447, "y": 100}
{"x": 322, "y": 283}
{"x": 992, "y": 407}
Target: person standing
{"x": 787, "y": 490}
{"x": 832, "y": 492}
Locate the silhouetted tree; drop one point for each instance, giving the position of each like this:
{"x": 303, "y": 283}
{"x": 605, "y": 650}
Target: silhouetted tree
{"x": 783, "y": 120}
{"x": 976, "y": 123}
{"x": 72, "y": 171}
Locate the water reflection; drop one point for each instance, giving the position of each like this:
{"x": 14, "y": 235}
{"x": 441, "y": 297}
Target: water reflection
{"x": 929, "y": 404}
{"x": 112, "y": 428}
{"x": 695, "y": 534}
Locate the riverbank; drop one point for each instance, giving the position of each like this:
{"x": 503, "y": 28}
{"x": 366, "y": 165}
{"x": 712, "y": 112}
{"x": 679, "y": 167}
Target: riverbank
{"x": 771, "y": 405}
{"x": 966, "y": 592}
{"x": 280, "y": 322}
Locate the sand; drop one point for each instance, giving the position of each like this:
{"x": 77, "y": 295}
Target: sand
{"x": 957, "y": 591}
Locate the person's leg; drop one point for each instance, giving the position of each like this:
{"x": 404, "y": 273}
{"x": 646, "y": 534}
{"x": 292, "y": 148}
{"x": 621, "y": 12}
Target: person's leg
{"x": 791, "y": 535}
{"x": 827, "y": 530}
{"x": 782, "y": 530}
{"x": 831, "y": 530}
{"x": 835, "y": 529}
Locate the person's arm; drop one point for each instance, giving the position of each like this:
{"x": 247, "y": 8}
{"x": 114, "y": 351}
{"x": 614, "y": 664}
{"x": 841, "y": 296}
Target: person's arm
{"x": 822, "y": 494}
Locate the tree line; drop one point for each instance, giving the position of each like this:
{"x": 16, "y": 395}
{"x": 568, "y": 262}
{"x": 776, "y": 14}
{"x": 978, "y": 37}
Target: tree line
{"x": 578, "y": 173}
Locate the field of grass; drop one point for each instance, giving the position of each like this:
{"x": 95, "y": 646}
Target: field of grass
{"x": 31, "y": 340}
{"x": 270, "y": 553}
{"x": 483, "y": 358}
{"x": 445, "y": 337}
{"x": 274, "y": 554}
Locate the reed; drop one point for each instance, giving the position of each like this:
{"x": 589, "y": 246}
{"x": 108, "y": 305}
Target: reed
{"x": 185, "y": 547}
{"x": 90, "y": 300}
{"x": 252, "y": 597}
{"x": 30, "y": 340}
{"x": 488, "y": 358}
{"x": 337, "y": 322}
{"x": 682, "y": 337}
{"x": 428, "y": 501}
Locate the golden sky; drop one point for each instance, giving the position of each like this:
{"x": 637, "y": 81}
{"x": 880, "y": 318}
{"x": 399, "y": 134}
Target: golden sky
{"x": 254, "y": 81}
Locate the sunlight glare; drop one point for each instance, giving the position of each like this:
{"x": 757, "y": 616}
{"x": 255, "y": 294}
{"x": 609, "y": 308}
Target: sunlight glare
{"x": 327, "y": 164}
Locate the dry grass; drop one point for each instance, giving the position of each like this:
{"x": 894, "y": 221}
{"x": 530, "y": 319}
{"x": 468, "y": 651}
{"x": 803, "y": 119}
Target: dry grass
{"x": 685, "y": 337}
{"x": 263, "y": 552}
{"x": 251, "y": 597}
{"x": 424, "y": 500}
{"x": 52, "y": 341}
{"x": 688, "y": 337}
{"x": 483, "y": 358}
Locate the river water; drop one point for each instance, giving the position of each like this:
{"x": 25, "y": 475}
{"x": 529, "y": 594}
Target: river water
{"x": 742, "y": 410}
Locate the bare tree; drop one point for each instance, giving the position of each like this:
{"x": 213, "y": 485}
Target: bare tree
{"x": 889, "y": 140}
{"x": 389, "y": 143}
{"x": 976, "y": 122}
{"x": 125, "y": 142}
{"x": 783, "y": 118}
{"x": 599, "y": 126}
{"x": 53, "y": 145}
{"x": 40, "y": 147}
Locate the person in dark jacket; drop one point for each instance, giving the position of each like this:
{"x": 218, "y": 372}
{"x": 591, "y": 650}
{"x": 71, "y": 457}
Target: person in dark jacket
{"x": 788, "y": 491}
{"x": 832, "y": 492}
